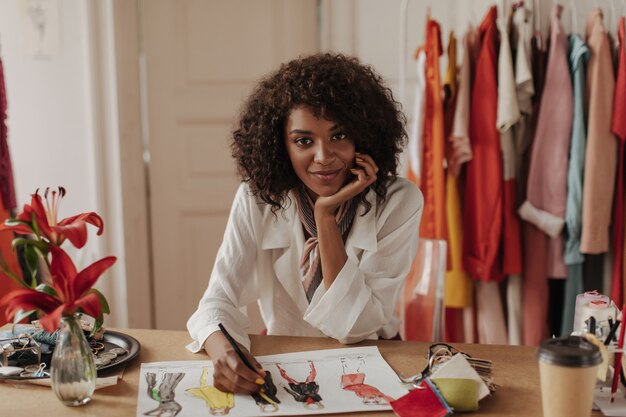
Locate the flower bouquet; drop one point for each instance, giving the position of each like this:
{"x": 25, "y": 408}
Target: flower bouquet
{"x": 67, "y": 291}
{"x": 55, "y": 290}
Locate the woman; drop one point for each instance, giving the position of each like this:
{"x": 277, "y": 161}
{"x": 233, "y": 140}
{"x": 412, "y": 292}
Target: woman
{"x": 322, "y": 232}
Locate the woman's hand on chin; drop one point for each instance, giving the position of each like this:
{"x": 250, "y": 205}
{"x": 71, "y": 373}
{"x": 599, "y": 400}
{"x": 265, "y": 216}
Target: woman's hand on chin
{"x": 364, "y": 171}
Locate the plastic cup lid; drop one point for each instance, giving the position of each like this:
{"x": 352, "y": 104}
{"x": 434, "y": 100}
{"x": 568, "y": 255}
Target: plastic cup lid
{"x": 571, "y": 351}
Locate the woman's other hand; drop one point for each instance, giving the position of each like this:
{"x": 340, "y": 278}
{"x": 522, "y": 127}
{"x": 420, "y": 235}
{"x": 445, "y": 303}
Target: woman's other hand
{"x": 364, "y": 170}
{"x": 230, "y": 374}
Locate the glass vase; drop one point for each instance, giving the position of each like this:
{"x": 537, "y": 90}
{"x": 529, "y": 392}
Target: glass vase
{"x": 73, "y": 373}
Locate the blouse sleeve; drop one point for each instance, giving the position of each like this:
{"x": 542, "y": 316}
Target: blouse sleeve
{"x": 233, "y": 281}
{"x": 362, "y": 299}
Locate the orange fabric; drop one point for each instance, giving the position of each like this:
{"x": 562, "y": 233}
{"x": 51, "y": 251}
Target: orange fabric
{"x": 433, "y": 225}
{"x": 6, "y": 284}
{"x": 482, "y": 216}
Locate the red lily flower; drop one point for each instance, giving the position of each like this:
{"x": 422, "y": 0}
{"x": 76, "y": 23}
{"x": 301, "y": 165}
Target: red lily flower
{"x": 70, "y": 292}
{"x": 73, "y": 228}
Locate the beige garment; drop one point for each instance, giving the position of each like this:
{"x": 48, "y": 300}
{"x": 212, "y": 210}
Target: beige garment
{"x": 490, "y": 315}
{"x": 508, "y": 116}
{"x": 462, "y": 152}
{"x": 601, "y": 153}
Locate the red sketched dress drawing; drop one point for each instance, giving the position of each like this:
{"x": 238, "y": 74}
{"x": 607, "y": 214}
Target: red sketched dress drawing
{"x": 355, "y": 382}
{"x": 305, "y": 392}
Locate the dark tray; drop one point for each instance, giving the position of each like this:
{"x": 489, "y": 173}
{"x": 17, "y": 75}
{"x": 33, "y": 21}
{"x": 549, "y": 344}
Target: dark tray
{"x": 111, "y": 339}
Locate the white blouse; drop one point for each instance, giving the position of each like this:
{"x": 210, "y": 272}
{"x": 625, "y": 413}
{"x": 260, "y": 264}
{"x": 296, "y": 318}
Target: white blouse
{"x": 259, "y": 260}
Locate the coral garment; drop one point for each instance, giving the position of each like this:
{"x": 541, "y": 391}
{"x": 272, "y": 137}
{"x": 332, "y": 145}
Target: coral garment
{"x": 618, "y": 126}
{"x": 432, "y": 181}
{"x": 482, "y": 215}
{"x": 601, "y": 154}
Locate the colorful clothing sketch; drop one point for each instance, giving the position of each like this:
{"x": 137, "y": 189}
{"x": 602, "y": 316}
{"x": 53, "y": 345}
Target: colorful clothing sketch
{"x": 266, "y": 398}
{"x": 371, "y": 395}
{"x": 164, "y": 393}
{"x": 218, "y": 402}
{"x": 304, "y": 392}
{"x": 354, "y": 381}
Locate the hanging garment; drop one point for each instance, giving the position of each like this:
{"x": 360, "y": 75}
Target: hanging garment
{"x": 547, "y": 178}
{"x": 461, "y": 149}
{"x": 578, "y": 56}
{"x": 601, "y": 152}
{"x": 482, "y": 214}
{"x": 417, "y": 124}
{"x": 459, "y": 153}
{"x": 534, "y": 278}
{"x": 458, "y": 284}
{"x": 7, "y": 188}
{"x": 432, "y": 182}
{"x": 546, "y": 196}
{"x": 521, "y": 36}
{"x": 508, "y": 114}
{"x": 618, "y": 126}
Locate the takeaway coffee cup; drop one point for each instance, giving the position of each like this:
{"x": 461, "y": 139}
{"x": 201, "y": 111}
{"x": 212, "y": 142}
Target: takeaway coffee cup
{"x": 567, "y": 370}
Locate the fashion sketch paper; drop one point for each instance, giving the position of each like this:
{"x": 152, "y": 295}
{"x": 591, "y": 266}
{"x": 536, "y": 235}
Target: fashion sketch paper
{"x": 314, "y": 382}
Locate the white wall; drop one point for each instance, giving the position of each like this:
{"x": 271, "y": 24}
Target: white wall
{"x": 52, "y": 117}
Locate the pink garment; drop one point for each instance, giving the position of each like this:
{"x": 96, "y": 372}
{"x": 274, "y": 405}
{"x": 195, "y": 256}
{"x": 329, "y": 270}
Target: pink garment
{"x": 370, "y": 394}
{"x": 547, "y": 177}
{"x": 601, "y": 153}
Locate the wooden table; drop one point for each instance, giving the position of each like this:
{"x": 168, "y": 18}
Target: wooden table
{"x": 515, "y": 371}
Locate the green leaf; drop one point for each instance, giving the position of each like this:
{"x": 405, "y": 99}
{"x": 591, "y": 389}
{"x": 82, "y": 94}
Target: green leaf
{"x": 103, "y": 301}
{"x": 15, "y": 222}
{"x": 34, "y": 226}
{"x": 47, "y": 289}
{"x": 21, "y": 241}
{"x": 21, "y": 315}
{"x": 97, "y": 324}
{"x": 32, "y": 262}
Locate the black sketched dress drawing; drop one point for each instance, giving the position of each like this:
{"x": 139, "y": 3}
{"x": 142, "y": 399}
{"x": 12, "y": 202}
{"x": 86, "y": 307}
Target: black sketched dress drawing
{"x": 162, "y": 388}
{"x": 305, "y": 392}
{"x": 266, "y": 398}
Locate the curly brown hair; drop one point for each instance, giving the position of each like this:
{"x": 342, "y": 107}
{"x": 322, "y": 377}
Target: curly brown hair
{"x": 335, "y": 87}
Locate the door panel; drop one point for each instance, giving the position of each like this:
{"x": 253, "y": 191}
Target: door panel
{"x": 202, "y": 59}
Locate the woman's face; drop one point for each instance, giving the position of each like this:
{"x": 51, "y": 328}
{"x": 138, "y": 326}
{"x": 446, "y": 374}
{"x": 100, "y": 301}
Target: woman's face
{"x": 320, "y": 151}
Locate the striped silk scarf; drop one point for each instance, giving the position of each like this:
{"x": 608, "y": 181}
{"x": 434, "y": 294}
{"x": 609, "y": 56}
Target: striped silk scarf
{"x": 310, "y": 262}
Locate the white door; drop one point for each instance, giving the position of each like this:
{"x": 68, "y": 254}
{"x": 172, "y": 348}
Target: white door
{"x": 202, "y": 59}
